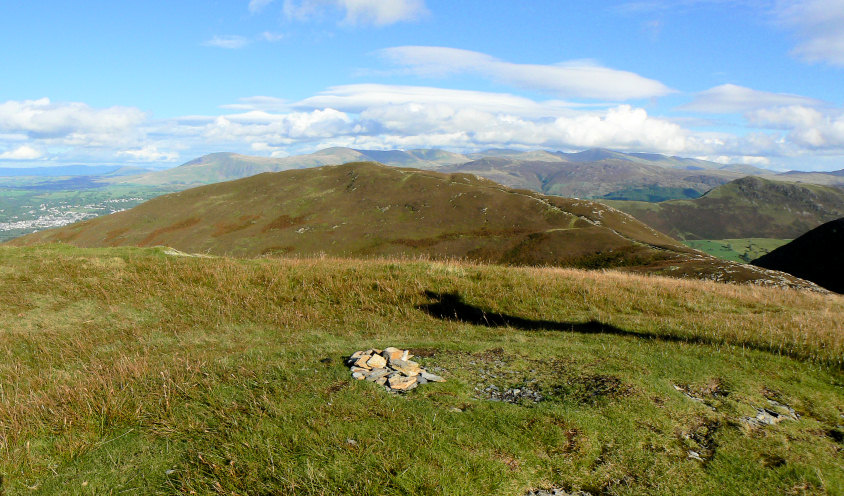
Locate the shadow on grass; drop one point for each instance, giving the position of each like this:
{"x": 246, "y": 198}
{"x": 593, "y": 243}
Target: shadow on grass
{"x": 450, "y": 306}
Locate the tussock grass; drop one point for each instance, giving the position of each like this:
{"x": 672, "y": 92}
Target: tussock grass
{"x": 129, "y": 369}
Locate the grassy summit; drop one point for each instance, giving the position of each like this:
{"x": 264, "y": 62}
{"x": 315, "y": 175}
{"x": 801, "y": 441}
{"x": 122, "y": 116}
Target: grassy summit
{"x": 131, "y": 369}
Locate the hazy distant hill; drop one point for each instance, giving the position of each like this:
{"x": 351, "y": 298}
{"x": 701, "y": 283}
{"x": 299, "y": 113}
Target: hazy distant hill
{"x": 750, "y": 207}
{"x": 217, "y": 167}
{"x": 595, "y": 173}
{"x": 831, "y": 178}
{"x": 817, "y": 256}
{"x": 611, "y": 178}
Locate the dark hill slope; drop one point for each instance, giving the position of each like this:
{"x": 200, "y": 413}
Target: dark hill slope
{"x": 817, "y": 256}
{"x": 371, "y": 210}
{"x": 750, "y": 207}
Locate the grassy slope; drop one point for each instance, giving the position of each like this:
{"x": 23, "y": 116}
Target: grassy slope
{"x": 366, "y": 209}
{"x": 127, "y": 369}
{"x": 747, "y": 208}
{"x": 738, "y": 250}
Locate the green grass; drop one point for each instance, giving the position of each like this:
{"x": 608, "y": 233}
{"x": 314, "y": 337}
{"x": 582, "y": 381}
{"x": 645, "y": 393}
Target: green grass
{"x": 741, "y": 250}
{"x": 129, "y": 370}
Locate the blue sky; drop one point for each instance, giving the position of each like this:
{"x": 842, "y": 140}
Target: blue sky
{"x": 162, "y": 82}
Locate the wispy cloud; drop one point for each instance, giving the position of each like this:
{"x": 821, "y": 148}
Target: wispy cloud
{"x": 229, "y": 42}
{"x": 573, "y": 79}
{"x": 272, "y": 37}
{"x": 258, "y": 5}
{"x": 731, "y": 98}
{"x": 358, "y": 12}
{"x": 819, "y": 27}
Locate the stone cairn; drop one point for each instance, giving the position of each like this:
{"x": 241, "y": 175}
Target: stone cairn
{"x": 391, "y": 368}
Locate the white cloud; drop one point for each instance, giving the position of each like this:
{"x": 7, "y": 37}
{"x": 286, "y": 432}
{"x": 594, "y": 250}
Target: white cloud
{"x": 358, "y": 12}
{"x": 382, "y": 12}
{"x": 69, "y": 123}
{"x": 23, "y": 152}
{"x": 229, "y": 42}
{"x": 359, "y": 97}
{"x": 266, "y": 103}
{"x": 819, "y": 25}
{"x": 258, "y": 5}
{"x": 807, "y": 127}
{"x": 148, "y": 153}
{"x": 573, "y": 79}
{"x": 272, "y": 37}
{"x": 730, "y": 98}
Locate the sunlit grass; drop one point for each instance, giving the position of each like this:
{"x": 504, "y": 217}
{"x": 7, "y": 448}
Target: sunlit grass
{"x": 132, "y": 369}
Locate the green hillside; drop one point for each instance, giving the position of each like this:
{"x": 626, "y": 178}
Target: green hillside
{"x": 131, "y": 370}
{"x": 750, "y": 207}
{"x": 368, "y": 210}
{"x": 738, "y": 250}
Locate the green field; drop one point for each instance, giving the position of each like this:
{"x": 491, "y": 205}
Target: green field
{"x": 46, "y": 204}
{"x": 131, "y": 370}
{"x": 738, "y": 250}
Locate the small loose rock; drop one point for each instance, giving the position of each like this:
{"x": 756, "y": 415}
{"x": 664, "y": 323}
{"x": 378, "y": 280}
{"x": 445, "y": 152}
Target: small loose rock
{"x": 391, "y": 368}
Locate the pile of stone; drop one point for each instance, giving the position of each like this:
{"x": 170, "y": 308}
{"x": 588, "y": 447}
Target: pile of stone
{"x": 391, "y": 368}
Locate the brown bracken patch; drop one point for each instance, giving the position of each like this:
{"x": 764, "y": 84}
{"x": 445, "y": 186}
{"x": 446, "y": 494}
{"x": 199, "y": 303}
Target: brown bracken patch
{"x": 283, "y": 222}
{"x": 243, "y": 222}
{"x": 178, "y": 226}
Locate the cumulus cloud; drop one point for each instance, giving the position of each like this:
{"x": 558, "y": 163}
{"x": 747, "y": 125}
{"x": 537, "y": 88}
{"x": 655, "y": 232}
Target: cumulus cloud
{"x": 148, "y": 153}
{"x": 359, "y": 12}
{"x": 229, "y": 42}
{"x": 69, "y": 123}
{"x": 388, "y": 117}
{"x": 731, "y": 98}
{"x": 807, "y": 127}
{"x": 819, "y": 27}
{"x": 23, "y": 152}
{"x": 578, "y": 79}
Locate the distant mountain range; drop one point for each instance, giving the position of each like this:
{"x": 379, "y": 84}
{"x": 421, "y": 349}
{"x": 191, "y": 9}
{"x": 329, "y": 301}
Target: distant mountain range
{"x": 751, "y": 207}
{"x": 372, "y": 210}
{"x": 817, "y": 256}
{"x": 595, "y": 173}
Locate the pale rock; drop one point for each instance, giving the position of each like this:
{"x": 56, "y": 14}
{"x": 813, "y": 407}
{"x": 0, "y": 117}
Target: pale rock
{"x": 376, "y": 374}
{"x": 377, "y": 362}
{"x": 357, "y": 375}
{"x": 391, "y": 353}
{"x": 400, "y": 383}
{"x": 361, "y": 361}
{"x": 408, "y": 368}
{"x": 431, "y": 377}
